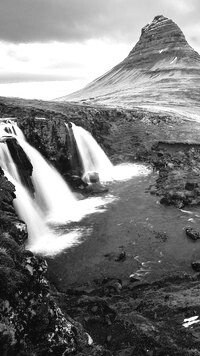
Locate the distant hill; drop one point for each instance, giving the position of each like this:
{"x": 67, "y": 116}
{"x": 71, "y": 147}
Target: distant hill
{"x": 161, "y": 70}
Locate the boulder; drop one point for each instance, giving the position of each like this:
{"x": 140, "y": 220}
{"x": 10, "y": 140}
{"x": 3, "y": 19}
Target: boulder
{"x": 192, "y": 233}
{"x": 91, "y": 177}
{"x": 190, "y": 185}
{"x": 196, "y": 266}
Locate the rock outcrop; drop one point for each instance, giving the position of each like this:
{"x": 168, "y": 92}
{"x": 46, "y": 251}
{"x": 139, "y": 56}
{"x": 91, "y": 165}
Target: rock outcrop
{"x": 140, "y": 319}
{"x": 161, "y": 70}
{"x": 22, "y": 162}
{"x": 31, "y": 323}
{"x": 178, "y": 167}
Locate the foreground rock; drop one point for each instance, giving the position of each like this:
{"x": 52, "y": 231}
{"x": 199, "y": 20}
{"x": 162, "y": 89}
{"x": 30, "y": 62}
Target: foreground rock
{"x": 192, "y": 233}
{"x": 132, "y": 318}
{"x": 31, "y": 323}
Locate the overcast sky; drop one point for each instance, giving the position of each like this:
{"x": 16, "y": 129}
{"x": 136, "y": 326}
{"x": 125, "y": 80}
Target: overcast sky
{"x": 49, "y": 48}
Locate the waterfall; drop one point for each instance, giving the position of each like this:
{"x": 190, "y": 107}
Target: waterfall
{"x": 40, "y": 238}
{"x": 52, "y": 195}
{"x": 51, "y": 191}
{"x": 28, "y": 211}
{"x": 93, "y": 157}
{"x": 53, "y": 200}
{"x": 6, "y": 161}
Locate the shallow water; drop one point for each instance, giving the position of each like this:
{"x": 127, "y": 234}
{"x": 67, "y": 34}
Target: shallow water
{"x": 64, "y": 230}
{"x": 151, "y": 234}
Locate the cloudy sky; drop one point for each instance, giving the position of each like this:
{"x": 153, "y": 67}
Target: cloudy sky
{"x": 49, "y": 48}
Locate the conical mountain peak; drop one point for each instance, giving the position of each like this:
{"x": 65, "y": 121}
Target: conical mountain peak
{"x": 162, "y": 69}
{"x": 161, "y": 39}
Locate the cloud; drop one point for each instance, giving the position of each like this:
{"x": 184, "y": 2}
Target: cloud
{"x": 23, "y": 21}
{"x": 57, "y": 61}
{"x": 21, "y": 77}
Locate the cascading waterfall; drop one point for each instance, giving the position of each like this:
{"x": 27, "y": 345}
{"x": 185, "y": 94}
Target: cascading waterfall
{"x": 93, "y": 157}
{"x": 53, "y": 199}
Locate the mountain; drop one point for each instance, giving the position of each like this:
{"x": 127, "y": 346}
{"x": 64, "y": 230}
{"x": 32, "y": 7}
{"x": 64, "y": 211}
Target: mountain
{"x": 162, "y": 70}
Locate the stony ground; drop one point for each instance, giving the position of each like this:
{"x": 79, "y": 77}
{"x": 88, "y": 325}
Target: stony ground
{"x": 136, "y": 318}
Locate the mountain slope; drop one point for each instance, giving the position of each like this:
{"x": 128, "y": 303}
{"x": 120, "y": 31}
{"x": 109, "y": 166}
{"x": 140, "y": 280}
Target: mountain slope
{"x": 161, "y": 70}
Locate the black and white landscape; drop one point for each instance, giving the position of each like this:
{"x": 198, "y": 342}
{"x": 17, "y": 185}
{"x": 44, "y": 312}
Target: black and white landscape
{"x": 100, "y": 187}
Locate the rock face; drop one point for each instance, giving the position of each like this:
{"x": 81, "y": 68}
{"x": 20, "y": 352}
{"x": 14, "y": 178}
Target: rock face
{"x": 161, "y": 70}
{"x": 22, "y": 162}
{"x": 178, "y": 168}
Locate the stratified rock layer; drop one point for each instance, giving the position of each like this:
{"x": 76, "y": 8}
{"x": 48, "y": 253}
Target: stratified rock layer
{"x": 161, "y": 70}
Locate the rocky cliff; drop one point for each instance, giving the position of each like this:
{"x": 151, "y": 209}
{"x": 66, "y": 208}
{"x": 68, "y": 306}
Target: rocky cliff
{"x": 161, "y": 70}
{"x": 31, "y": 322}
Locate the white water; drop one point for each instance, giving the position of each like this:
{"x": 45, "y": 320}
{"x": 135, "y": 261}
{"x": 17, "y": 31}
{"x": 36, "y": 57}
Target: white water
{"x": 6, "y": 161}
{"x": 94, "y": 159}
{"x": 53, "y": 199}
{"x": 28, "y": 211}
{"x": 51, "y": 192}
{"x": 40, "y": 237}
{"x": 54, "y": 202}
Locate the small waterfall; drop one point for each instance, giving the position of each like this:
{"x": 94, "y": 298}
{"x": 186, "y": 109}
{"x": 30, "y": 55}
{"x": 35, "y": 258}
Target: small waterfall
{"x": 8, "y": 127}
{"x": 6, "y": 161}
{"x": 93, "y": 157}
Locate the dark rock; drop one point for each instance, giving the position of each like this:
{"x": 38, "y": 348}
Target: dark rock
{"x": 31, "y": 323}
{"x": 5, "y": 259}
{"x": 191, "y": 185}
{"x": 11, "y": 281}
{"x": 192, "y": 233}
{"x": 22, "y": 162}
{"x": 96, "y": 188}
{"x": 196, "y": 266}
{"x": 121, "y": 257}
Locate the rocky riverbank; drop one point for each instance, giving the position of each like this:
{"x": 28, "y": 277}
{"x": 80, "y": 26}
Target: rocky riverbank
{"x": 178, "y": 167}
{"x": 140, "y": 319}
{"x": 31, "y": 322}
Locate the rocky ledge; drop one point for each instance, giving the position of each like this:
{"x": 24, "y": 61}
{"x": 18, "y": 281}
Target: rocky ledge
{"x": 178, "y": 167}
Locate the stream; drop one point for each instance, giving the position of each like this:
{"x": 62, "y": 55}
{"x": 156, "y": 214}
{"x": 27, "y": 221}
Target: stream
{"x": 150, "y": 237}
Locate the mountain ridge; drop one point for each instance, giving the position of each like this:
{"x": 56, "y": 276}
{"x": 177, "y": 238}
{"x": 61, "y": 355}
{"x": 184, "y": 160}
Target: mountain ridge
{"x": 161, "y": 69}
